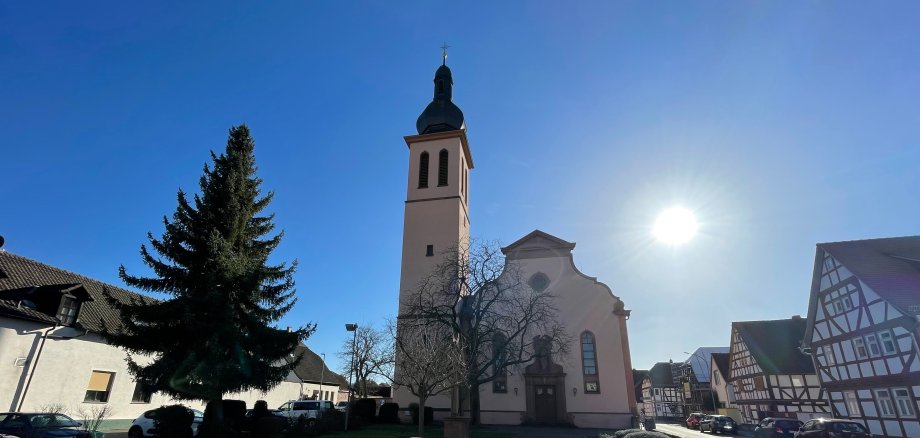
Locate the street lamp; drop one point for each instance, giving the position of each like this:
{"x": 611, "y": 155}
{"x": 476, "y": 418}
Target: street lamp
{"x": 354, "y": 340}
{"x": 712, "y": 392}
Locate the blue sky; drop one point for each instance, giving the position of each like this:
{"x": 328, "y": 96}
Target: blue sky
{"x": 781, "y": 124}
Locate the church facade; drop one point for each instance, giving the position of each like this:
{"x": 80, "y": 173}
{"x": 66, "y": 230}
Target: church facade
{"x": 592, "y": 386}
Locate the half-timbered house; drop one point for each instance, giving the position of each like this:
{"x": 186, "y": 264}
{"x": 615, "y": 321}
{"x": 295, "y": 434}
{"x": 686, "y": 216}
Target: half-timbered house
{"x": 770, "y": 375}
{"x": 661, "y": 395}
{"x": 863, "y": 329}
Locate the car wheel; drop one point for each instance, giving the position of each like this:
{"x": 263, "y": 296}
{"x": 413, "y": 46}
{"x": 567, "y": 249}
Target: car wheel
{"x": 136, "y": 432}
{"x": 311, "y": 423}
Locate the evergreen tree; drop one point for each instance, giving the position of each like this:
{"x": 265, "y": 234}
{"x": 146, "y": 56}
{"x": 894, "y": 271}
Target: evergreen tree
{"x": 214, "y": 334}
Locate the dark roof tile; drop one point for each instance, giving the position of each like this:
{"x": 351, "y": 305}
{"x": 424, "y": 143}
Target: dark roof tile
{"x": 775, "y": 345}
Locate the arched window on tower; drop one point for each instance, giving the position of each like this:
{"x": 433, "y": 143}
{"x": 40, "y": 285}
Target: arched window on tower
{"x": 589, "y": 363}
{"x": 423, "y": 171}
{"x": 442, "y": 168}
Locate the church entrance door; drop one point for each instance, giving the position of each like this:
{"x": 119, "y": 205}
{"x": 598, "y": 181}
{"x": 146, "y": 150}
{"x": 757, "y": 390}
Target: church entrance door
{"x": 545, "y": 403}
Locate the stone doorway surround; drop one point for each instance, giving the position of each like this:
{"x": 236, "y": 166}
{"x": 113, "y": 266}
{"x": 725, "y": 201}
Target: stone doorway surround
{"x": 544, "y": 374}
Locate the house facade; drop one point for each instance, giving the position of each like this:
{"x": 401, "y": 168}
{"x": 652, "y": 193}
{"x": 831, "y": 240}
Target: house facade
{"x": 863, "y": 328}
{"x": 51, "y": 352}
{"x": 696, "y": 382}
{"x": 724, "y": 391}
{"x": 662, "y": 396}
{"x": 770, "y": 375}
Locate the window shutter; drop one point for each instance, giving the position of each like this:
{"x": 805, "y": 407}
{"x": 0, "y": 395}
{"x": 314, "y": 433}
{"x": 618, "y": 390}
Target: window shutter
{"x": 99, "y": 381}
{"x": 442, "y": 168}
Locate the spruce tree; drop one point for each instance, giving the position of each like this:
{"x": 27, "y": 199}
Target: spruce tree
{"x": 214, "y": 334}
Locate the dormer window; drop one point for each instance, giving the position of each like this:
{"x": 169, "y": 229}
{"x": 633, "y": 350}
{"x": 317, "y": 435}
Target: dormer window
{"x": 67, "y": 313}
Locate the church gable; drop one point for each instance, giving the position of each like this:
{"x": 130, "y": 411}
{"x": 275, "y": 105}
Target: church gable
{"x": 538, "y": 244}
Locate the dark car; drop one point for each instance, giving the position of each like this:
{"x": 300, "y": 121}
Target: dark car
{"x": 693, "y": 421}
{"x": 40, "y": 425}
{"x": 777, "y": 428}
{"x": 718, "y": 423}
{"x": 824, "y": 428}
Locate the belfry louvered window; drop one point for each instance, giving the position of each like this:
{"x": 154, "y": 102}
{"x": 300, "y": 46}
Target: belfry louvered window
{"x": 423, "y": 171}
{"x": 442, "y": 168}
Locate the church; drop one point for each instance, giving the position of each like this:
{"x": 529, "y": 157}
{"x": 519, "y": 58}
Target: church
{"x": 592, "y": 386}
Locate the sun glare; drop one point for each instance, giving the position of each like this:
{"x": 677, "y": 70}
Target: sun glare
{"x": 675, "y": 226}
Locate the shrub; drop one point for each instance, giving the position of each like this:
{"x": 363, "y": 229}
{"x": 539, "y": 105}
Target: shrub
{"x": 235, "y": 414}
{"x": 365, "y": 408}
{"x": 389, "y": 413}
{"x": 624, "y": 432}
{"x": 429, "y": 413}
{"x": 174, "y": 421}
{"x": 646, "y": 434}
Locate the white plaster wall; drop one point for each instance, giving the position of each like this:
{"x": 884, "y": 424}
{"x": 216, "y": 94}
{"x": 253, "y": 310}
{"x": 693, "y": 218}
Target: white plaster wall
{"x": 583, "y": 304}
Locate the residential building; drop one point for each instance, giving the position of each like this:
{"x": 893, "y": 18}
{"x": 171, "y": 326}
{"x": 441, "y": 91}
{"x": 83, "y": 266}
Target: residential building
{"x": 770, "y": 374}
{"x": 724, "y": 391}
{"x": 51, "y": 351}
{"x": 661, "y": 395}
{"x": 694, "y": 376}
{"x": 863, "y": 329}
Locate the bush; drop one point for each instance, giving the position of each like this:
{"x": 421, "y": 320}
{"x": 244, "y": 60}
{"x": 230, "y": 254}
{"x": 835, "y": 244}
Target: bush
{"x": 646, "y": 434}
{"x": 429, "y": 413}
{"x": 624, "y": 432}
{"x": 174, "y": 421}
{"x": 235, "y": 414}
{"x": 365, "y": 408}
{"x": 389, "y": 413}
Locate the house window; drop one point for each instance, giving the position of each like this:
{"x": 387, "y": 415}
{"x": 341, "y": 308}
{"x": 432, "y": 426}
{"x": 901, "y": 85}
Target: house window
{"x": 852, "y": 403}
{"x": 838, "y": 307}
{"x": 860, "y": 347}
{"x": 423, "y": 171}
{"x": 903, "y": 402}
{"x": 67, "y": 313}
{"x": 657, "y": 392}
{"x": 829, "y": 354}
{"x": 100, "y": 384}
{"x": 142, "y": 393}
{"x": 758, "y": 383}
{"x": 872, "y": 341}
{"x": 887, "y": 342}
{"x": 442, "y": 168}
{"x": 885, "y": 405}
{"x": 429, "y": 250}
{"x": 715, "y": 377}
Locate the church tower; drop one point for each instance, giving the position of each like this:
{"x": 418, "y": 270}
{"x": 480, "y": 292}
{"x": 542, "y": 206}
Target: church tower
{"x": 436, "y": 210}
{"x": 437, "y": 214}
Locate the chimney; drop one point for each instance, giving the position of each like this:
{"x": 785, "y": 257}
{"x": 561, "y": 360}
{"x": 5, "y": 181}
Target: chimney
{"x": 289, "y": 329}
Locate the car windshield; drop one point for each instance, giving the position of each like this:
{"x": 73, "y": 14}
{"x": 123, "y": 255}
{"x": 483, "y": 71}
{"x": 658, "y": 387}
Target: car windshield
{"x": 198, "y": 414}
{"x": 52, "y": 420}
{"x": 847, "y": 427}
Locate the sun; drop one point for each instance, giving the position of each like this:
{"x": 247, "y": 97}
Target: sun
{"x": 675, "y": 226}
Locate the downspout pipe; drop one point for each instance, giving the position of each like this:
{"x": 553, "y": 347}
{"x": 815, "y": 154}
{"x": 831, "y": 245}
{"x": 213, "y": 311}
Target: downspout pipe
{"x": 33, "y": 365}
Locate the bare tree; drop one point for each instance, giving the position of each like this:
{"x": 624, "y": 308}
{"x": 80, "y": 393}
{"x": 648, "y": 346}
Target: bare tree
{"x": 430, "y": 361}
{"x": 367, "y": 353}
{"x": 502, "y": 320}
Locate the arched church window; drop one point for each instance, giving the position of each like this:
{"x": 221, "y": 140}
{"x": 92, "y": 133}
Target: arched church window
{"x": 442, "y": 168}
{"x": 423, "y": 171}
{"x": 589, "y": 362}
{"x": 499, "y": 356}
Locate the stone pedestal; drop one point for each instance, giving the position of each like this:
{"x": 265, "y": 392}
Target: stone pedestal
{"x": 456, "y": 427}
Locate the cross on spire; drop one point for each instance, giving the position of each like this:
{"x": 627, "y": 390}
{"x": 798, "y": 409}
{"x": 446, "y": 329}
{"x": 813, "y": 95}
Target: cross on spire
{"x": 444, "y": 53}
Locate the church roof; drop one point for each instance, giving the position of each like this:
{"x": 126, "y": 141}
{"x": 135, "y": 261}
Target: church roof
{"x": 538, "y": 244}
{"x": 441, "y": 114}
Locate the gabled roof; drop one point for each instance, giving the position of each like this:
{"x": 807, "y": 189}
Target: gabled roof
{"x": 311, "y": 368}
{"x": 23, "y": 274}
{"x": 890, "y": 266}
{"x": 661, "y": 375}
{"x": 700, "y": 359}
{"x": 774, "y": 345}
{"x": 638, "y": 377}
{"x": 721, "y": 362}
{"x": 538, "y": 244}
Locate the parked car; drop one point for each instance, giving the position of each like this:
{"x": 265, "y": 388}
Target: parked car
{"x": 825, "y": 428}
{"x": 309, "y": 409}
{"x": 693, "y": 421}
{"x": 777, "y": 428}
{"x": 341, "y": 406}
{"x": 40, "y": 425}
{"x": 145, "y": 425}
{"x": 718, "y": 423}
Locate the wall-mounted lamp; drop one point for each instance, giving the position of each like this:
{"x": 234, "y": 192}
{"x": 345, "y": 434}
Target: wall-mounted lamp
{"x": 515, "y": 390}
{"x": 574, "y": 391}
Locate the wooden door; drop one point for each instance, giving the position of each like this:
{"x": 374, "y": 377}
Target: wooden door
{"x": 545, "y": 403}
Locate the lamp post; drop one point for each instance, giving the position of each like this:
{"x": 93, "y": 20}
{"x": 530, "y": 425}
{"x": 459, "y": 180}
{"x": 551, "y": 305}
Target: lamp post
{"x": 352, "y": 328}
{"x": 712, "y": 393}
{"x": 322, "y": 373}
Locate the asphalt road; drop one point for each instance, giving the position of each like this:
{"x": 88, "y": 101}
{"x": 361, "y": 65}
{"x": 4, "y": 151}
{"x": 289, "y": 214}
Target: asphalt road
{"x": 683, "y": 432}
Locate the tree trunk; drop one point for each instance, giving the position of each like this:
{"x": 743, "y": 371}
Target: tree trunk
{"x": 474, "y": 404}
{"x": 421, "y": 416}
